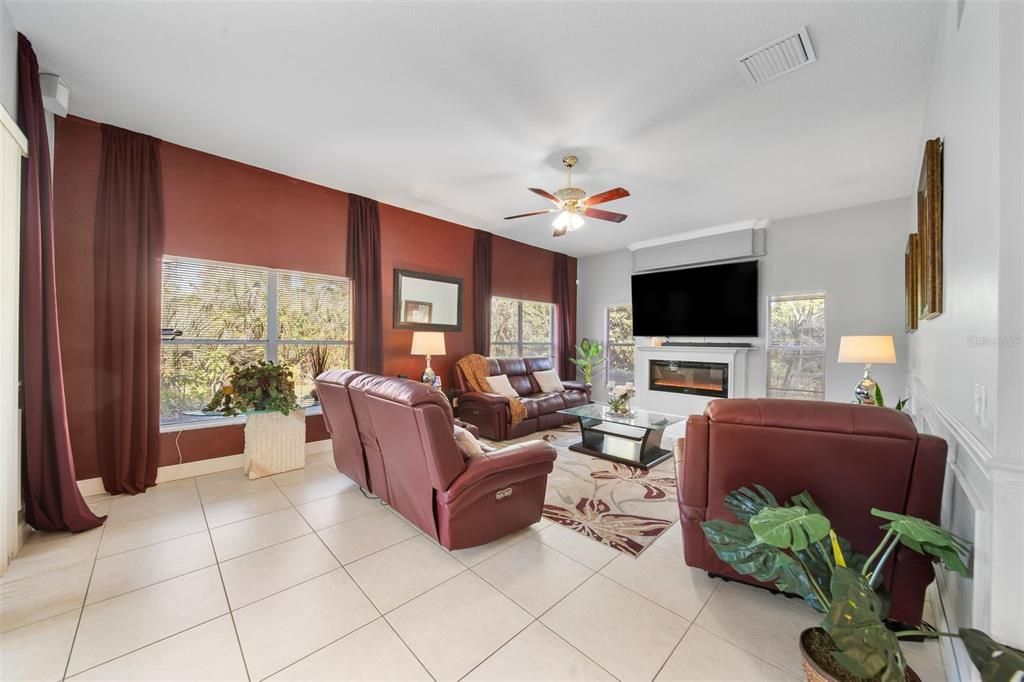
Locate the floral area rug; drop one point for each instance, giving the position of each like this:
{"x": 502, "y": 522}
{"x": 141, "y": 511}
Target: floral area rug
{"x": 617, "y": 505}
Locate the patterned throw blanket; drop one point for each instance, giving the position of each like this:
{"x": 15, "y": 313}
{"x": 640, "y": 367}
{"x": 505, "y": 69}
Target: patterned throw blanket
{"x": 474, "y": 368}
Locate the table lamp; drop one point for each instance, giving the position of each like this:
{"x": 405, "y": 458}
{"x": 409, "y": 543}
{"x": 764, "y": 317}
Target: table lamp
{"x": 428, "y": 343}
{"x": 870, "y": 350}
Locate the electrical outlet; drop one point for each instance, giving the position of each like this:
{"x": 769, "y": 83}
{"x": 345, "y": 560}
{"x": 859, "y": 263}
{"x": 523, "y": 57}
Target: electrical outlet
{"x": 980, "y": 403}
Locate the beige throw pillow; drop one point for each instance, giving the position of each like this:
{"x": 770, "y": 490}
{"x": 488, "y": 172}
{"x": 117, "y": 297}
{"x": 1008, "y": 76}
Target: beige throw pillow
{"x": 499, "y": 384}
{"x": 548, "y": 381}
{"x": 467, "y": 442}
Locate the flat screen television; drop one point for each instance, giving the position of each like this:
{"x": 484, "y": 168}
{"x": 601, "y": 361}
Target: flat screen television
{"x": 713, "y": 300}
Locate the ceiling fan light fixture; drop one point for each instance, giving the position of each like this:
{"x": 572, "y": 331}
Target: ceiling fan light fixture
{"x": 568, "y": 220}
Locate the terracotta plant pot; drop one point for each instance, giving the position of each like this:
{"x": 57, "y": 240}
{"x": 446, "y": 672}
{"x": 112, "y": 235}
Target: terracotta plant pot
{"x": 816, "y": 672}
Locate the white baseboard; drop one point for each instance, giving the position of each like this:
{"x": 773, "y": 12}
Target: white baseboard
{"x": 173, "y": 472}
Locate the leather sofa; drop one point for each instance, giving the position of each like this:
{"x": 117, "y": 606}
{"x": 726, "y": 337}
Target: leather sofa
{"x": 490, "y": 411}
{"x": 397, "y": 436}
{"x": 849, "y": 457}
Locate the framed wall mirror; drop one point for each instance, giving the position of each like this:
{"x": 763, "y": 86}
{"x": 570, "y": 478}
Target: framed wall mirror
{"x": 427, "y": 302}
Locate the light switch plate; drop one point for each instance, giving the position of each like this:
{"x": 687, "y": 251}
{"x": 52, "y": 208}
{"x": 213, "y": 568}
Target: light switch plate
{"x": 980, "y": 403}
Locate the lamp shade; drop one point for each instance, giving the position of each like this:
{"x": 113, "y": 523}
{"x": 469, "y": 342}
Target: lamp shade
{"x": 428, "y": 343}
{"x": 867, "y": 350}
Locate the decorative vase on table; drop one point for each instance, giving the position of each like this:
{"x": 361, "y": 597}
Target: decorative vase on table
{"x": 618, "y": 399}
{"x": 275, "y": 426}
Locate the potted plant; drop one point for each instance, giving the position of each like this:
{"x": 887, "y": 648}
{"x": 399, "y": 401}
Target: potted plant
{"x": 275, "y": 429}
{"x": 795, "y": 548}
{"x": 318, "y": 358}
{"x": 588, "y": 358}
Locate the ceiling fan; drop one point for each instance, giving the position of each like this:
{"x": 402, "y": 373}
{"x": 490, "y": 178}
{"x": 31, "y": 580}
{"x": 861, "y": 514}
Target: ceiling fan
{"x": 572, "y": 203}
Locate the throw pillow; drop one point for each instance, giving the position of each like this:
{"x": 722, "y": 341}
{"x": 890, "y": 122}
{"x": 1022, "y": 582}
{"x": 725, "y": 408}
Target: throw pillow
{"x": 548, "y": 381}
{"x": 467, "y": 442}
{"x": 499, "y": 384}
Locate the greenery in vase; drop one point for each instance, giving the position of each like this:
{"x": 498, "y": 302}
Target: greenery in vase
{"x": 618, "y": 397}
{"x": 588, "y": 358}
{"x": 256, "y": 386}
{"x": 880, "y": 400}
{"x": 795, "y": 548}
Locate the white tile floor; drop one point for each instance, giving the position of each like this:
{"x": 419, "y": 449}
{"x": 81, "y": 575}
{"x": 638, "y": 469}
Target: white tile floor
{"x": 300, "y": 577}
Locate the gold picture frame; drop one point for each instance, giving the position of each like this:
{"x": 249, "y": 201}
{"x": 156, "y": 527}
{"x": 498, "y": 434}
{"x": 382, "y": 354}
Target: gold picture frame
{"x": 929, "y": 230}
{"x": 911, "y": 280}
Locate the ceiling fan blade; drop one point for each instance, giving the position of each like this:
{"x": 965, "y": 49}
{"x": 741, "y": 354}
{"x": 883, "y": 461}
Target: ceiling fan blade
{"x": 607, "y": 195}
{"x": 560, "y": 231}
{"x": 527, "y": 215}
{"x": 546, "y": 194}
{"x": 604, "y": 215}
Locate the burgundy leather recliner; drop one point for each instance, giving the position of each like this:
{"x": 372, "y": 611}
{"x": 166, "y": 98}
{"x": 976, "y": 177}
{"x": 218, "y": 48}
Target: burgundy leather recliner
{"x": 414, "y": 464}
{"x": 849, "y": 457}
{"x": 490, "y": 411}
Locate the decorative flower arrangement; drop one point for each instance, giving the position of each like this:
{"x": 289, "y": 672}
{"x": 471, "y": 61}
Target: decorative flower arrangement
{"x": 256, "y": 387}
{"x": 618, "y": 397}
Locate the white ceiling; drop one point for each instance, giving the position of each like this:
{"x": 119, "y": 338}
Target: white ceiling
{"x": 453, "y": 109}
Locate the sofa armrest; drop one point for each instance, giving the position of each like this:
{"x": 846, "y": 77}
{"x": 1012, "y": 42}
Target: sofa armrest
{"x": 576, "y": 386}
{"x": 472, "y": 428}
{"x": 693, "y": 492}
{"x": 493, "y": 401}
{"x": 924, "y": 495}
{"x": 530, "y": 458}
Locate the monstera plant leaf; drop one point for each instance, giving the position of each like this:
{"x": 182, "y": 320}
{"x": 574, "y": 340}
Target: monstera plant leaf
{"x": 745, "y": 503}
{"x": 927, "y": 538}
{"x": 736, "y": 545}
{"x": 853, "y": 559}
{"x": 996, "y": 662}
{"x": 866, "y": 647}
{"x": 789, "y": 527}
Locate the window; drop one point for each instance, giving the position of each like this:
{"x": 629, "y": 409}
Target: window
{"x": 236, "y": 313}
{"x": 618, "y": 343}
{"x": 796, "y": 346}
{"x": 521, "y": 329}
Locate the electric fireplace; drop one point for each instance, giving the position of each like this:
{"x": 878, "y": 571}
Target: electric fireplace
{"x": 695, "y": 378}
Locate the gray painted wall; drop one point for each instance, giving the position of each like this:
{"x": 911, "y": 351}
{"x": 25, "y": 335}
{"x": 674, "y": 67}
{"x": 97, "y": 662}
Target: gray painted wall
{"x": 8, "y": 62}
{"x": 855, "y": 255}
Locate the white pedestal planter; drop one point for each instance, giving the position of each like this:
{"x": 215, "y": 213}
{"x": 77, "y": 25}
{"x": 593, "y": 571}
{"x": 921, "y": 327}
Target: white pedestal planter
{"x": 274, "y": 443}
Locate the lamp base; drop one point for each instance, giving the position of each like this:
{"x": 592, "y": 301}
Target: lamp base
{"x": 428, "y": 373}
{"x": 865, "y": 391}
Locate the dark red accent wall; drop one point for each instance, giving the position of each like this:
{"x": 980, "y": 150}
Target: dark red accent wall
{"x": 224, "y": 210}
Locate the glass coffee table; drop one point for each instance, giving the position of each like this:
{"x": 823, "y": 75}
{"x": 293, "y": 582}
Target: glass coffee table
{"x": 634, "y": 440}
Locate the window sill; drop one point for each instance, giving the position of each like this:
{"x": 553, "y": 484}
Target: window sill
{"x": 219, "y": 422}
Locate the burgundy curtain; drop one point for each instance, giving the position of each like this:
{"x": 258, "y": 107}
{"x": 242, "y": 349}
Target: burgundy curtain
{"x": 565, "y": 315}
{"x": 128, "y": 251}
{"x": 364, "y": 271}
{"x": 482, "y": 292}
{"x": 52, "y": 498}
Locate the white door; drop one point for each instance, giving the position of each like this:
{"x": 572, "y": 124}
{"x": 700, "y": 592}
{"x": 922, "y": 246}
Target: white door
{"x": 13, "y": 147}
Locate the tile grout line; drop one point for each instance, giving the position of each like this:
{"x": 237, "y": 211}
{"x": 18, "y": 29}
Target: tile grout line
{"x": 739, "y": 646}
{"x": 537, "y": 620}
{"x": 146, "y": 646}
{"x": 370, "y": 601}
{"x": 81, "y": 612}
{"x": 224, "y": 587}
{"x": 690, "y": 626}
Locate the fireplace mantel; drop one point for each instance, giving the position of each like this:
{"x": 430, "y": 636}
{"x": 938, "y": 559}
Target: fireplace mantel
{"x": 696, "y": 349}
{"x": 681, "y": 403}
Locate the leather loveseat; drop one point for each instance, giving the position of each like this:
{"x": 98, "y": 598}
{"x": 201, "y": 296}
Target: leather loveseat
{"x": 395, "y": 438}
{"x": 490, "y": 411}
{"x": 849, "y": 457}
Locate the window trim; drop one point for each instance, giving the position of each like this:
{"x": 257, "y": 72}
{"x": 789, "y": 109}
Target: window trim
{"x": 768, "y": 346}
{"x": 608, "y": 343}
{"x": 271, "y": 342}
{"x": 519, "y": 343}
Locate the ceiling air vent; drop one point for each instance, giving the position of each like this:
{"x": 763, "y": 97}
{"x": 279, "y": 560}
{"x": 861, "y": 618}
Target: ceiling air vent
{"x": 778, "y": 57}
